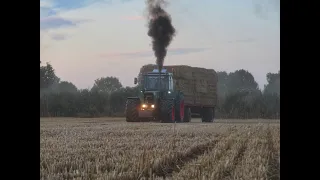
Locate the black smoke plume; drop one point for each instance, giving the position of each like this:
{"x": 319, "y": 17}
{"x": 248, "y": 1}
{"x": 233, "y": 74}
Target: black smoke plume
{"x": 160, "y": 29}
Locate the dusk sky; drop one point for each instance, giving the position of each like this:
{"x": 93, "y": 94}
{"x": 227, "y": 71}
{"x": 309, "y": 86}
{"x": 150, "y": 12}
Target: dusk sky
{"x": 88, "y": 39}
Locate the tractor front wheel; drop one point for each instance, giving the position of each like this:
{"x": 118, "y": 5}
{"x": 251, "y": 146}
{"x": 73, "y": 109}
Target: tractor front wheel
{"x": 132, "y": 114}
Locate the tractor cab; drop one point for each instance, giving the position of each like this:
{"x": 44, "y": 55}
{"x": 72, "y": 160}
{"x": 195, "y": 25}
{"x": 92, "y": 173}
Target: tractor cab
{"x": 153, "y": 81}
{"x": 155, "y": 86}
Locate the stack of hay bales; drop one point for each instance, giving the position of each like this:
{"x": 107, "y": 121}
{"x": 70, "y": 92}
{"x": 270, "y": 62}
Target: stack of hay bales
{"x": 199, "y": 85}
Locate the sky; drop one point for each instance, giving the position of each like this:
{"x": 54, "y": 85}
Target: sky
{"x": 88, "y": 39}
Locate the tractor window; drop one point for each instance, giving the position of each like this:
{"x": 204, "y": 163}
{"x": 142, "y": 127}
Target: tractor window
{"x": 152, "y": 82}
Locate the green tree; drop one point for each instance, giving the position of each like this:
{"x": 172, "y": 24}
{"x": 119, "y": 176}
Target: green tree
{"x": 239, "y": 96}
{"x": 222, "y": 83}
{"x": 47, "y": 76}
{"x": 273, "y": 85}
{"x": 241, "y": 80}
{"x": 65, "y": 86}
{"x": 107, "y": 84}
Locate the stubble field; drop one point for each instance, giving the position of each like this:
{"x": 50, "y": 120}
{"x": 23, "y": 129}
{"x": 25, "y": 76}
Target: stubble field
{"x": 106, "y": 148}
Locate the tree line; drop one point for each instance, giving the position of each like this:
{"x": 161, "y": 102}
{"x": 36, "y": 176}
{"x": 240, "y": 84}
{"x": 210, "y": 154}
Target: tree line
{"x": 238, "y": 96}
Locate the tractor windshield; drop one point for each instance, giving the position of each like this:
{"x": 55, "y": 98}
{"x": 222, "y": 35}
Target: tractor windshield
{"x": 153, "y": 82}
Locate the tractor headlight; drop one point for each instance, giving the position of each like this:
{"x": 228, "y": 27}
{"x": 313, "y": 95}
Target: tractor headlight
{"x": 144, "y": 105}
{"x": 152, "y": 106}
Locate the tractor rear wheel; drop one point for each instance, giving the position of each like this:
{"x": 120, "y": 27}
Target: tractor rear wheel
{"x": 167, "y": 111}
{"x": 187, "y": 114}
{"x": 207, "y": 114}
{"x": 132, "y": 114}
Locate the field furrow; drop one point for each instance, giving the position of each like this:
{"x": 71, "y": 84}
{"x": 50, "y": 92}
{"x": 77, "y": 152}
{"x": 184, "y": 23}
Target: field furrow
{"x": 257, "y": 159}
{"x": 274, "y": 154}
{"x": 81, "y": 149}
{"x": 222, "y": 160}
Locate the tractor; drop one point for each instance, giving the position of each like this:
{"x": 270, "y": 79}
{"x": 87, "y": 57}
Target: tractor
{"x": 157, "y": 100}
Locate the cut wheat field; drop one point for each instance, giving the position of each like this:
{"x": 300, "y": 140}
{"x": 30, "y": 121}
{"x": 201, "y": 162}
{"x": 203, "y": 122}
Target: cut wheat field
{"x": 112, "y": 149}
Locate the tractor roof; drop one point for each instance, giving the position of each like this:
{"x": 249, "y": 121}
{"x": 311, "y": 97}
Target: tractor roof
{"x": 156, "y": 72}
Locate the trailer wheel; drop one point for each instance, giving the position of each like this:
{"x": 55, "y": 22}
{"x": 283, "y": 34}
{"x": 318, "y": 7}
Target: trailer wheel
{"x": 132, "y": 114}
{"x": 179, "y": 108}
{"x": 187, "y": 114}
{"x": 207, "y": 114}
{"x": 167, "y": 111}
